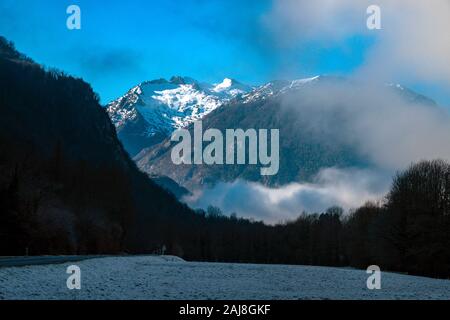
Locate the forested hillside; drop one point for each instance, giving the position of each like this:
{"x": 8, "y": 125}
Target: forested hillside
{"x": 66, "y": 183}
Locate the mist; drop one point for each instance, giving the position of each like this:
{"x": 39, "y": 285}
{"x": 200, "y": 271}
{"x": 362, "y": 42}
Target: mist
{"x": 390, "y": 125}
{"x": 347, "y": 188}
{"x": 387, "y": 124}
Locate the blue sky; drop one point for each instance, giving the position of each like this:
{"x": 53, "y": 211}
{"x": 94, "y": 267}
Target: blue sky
{"x": 122, "y": 43}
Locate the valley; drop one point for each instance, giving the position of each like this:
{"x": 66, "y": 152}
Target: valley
{"x": 69, "y": 187}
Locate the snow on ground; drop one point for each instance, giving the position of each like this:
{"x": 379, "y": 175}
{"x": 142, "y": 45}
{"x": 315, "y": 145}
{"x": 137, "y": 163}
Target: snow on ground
{"x": 151, "y": 277}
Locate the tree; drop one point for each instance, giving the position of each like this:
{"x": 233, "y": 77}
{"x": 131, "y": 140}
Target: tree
{"x": 418, "y": 205}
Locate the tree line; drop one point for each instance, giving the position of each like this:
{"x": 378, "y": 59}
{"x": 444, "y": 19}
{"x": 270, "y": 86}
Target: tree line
{"x": 409, "y": 231}
{"x": 61, "y": 207}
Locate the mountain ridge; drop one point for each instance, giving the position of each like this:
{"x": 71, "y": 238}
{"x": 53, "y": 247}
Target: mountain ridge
{"x": 304, "y": 149}
{"x": 152, "y": 110}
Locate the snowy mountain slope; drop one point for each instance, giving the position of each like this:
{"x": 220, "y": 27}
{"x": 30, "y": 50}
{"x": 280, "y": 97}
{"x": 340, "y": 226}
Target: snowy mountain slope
{"x": 315, "y": 133}
{"x": 277, "y": 87}
{"x": 152, "y": 110}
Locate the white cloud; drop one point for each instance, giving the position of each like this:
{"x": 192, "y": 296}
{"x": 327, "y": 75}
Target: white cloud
{"x": 414, "y": 40}
{"x": 377, "y": 120}
{"x": 380, "y": 122}
{"x": 347, "y": 188}
{"x": 413, "y": 44}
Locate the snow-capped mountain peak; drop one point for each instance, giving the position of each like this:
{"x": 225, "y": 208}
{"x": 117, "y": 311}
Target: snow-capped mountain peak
{"x": 300, "y": 82}
{"x": 276, "y": 87}
{"x": 152, "y": 110}
{"x": 225, "y": 84}
{"x": 161, "y": 106}
{"x": 167, "y": 105}
{"x": 230, "y": 87}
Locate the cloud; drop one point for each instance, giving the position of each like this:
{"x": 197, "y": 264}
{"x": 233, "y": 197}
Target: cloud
{"x": 297, "y": 21}
{"x": 377, "y": 120}
{"x": 99, "y": 62}
{"x": 414, "y": 39}
{"x": 348, "y": 188}
{"x": 388, "y": 124}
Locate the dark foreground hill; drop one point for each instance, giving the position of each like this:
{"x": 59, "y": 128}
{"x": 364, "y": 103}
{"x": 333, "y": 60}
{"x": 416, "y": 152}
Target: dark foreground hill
{"x": 66, "y": 183}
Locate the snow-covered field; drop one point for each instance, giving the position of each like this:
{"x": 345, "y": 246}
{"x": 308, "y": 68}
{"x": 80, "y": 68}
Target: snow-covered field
{"x": 150, "y": 277}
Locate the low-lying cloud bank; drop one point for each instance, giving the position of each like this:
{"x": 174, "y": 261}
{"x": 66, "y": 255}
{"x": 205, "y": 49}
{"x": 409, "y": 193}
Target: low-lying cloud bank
{"x": 348, "y": 188}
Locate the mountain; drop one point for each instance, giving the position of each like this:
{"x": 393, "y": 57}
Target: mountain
{"x": 315, "y": 132}
{"x": 152, "y": 110}
{"x": 170, "y": 185}
{"x": 67, "y": 186}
